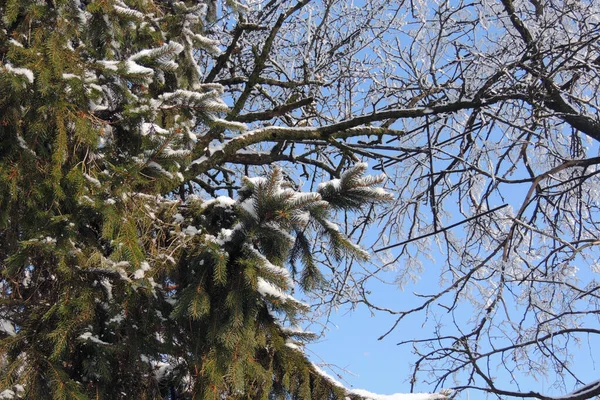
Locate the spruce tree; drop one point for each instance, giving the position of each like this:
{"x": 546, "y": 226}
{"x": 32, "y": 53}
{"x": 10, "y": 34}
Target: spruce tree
{"x": 113, "y": 287}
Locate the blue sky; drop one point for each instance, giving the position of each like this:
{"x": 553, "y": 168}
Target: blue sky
{"x": 360, "y": 360}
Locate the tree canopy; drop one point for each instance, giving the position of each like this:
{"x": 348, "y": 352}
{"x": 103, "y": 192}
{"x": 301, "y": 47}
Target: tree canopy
{"x": 171, "y": 171}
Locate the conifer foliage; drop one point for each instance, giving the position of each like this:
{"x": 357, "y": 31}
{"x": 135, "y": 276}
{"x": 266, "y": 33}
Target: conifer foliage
{"x": 112, "y": 287}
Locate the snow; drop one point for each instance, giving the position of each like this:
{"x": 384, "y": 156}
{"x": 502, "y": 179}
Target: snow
{"x": 107, "y": 287}
{"x": 27, "y": 73}
{"x": 334, "y": 183}
{"x": 398, "y": 396}
{"x": 23, "y": 145}
{"x": 108, "y": 64}
{"x": 92, "y": 180}
{"x": 292, "y": 345}
{"x": 190, "y": 230}
{"x": 268, "y": 289}
{"x": 209, "y": 101}
{"x": 221, "y": 201}
{"x": 135, "y": 68}
{"x": 14, "y": 43}
{"x": 373, "y": 396}
{"x": 200, "y": 160}
{"x": 295, "y": 330}
{"x": 129, "y": 12}
{"x": 160, "y": 169}
{"x": 70, "y": 76}
{"x": 7, "y": 394}
{"x": 233, "y": 125}
{"x": 140, "y": 272}
{"x": 331, "y": 226}
{"x": 91, "y": 337}
{"x": 7, "y": 327}
{"x": 269, "y": 266}
{"x": 162, "y": 54}
{"x": 148, "y": 128}
{"x": 161, "y": 370}
{"x": 117, "y": 319}
{"x": 249, "y": 205}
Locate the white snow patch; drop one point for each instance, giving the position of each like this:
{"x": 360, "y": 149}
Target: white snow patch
{"x": 140, "y": 272}
{"x": 91, "y": 337}
{"x": 92, "y": 180}
{"x": 190, "y": 230}
{"x": 373, "y": 396}
{"x": 269, "y": 266}
{"x": 148, "y": 128}
{"x": 249, "y": 205}
{"x": 160, "y": 169}
{"x": 268, "y": 289}
{"x": 7, "y": 327}
{"x": 397, "y": 396}
{"x": 27, "y": 73}
{"x": 334, "y": 183}
{"x": 178, "y": 218}
{"x": 108, "y": 287}
{"x": 23, "y": 145}
{"x": 7, "y": 394}
{"x": 70, "y": 76}
{"x": 135, "y": 68}
{"x": 14, "y": 43}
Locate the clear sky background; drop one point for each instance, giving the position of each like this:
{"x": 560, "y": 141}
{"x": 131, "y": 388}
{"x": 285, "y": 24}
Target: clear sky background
{"x": 362, "y": 361}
